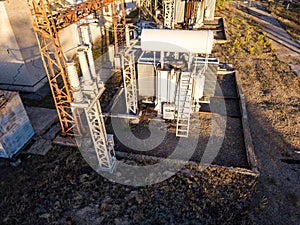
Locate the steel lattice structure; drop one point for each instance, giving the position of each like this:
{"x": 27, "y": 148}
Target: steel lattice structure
{"x": 169, "y": 13}
{"x": 104, "y": 149}
{"x": 129, "y": 78}
{"x": 46, "y": 25}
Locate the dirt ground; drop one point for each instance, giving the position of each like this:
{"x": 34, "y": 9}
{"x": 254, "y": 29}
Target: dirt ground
{"x": 61, "y": 188}
{"x": 272, "y": 98}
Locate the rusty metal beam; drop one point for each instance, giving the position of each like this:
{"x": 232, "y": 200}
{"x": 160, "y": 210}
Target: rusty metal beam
{"x": 72, "y": 14}
{"x": 54, "y": 63}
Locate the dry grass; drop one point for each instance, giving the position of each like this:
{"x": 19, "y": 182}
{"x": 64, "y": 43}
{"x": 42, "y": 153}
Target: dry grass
{"x": 272, "y": 97}
{"x": 270, "y": 84}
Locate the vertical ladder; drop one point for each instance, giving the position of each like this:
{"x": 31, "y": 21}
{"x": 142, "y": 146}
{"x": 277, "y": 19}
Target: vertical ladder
{"x": 184, "y": 105}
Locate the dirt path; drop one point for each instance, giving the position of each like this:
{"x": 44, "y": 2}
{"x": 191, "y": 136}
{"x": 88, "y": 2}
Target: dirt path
{"x": 286, "y": 48}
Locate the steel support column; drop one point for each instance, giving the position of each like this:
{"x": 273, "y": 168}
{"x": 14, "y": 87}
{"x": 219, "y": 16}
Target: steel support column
{"x": 129, "y": 79}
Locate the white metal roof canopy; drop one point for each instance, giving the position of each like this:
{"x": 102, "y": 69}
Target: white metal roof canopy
{"x": 177, "y": 40}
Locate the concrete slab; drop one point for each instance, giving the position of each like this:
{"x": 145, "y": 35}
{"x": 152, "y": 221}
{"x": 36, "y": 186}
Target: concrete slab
{"x": 52, "y": 132}
{"x": 40, "y": 147}
{"x": 65, "y": 141}
{"x": 41, "y": 118}
{"x": 21, "y": 67}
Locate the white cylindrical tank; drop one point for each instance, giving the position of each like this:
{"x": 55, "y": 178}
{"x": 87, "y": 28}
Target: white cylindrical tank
{"x": 192, "y": 41}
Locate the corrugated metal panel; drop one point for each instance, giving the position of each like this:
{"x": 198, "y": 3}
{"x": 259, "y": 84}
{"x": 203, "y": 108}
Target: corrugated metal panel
{"x": 179, "y": 11}
{"x": 210, "y": 80}
{"x": 146, "y": 80}
{"x": 15, "y": 127}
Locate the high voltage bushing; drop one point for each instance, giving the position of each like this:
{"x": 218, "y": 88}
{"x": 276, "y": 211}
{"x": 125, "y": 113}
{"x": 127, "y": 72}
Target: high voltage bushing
{"x": 74, "y": 82}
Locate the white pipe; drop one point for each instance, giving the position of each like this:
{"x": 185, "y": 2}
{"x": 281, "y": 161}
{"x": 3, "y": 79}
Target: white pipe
{"x": 162, "y": 59}
{"x": 85, "y": 34}
{"x": 86, "y": 75}
{"x": 74, "y": 81}
{"x": 86, "y": 41}
{"x": 127, "y": 36}
{"x": 91, "y": 61}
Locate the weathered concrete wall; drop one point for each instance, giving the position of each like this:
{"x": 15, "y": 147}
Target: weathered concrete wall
{"x": 15, "y": 127}
{"x": 20, "y": 64}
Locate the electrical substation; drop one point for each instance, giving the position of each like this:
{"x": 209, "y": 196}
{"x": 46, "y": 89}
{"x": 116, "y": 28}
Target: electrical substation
{"x": 162, "y": 50}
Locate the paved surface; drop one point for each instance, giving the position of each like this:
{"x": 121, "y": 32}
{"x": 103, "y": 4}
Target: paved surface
{"x": 43, "y": 123}
{"x": 287, "y": 49}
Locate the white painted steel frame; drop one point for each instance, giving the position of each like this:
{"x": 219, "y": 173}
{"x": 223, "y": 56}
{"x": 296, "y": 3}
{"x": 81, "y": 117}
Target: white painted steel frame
{"x": 169, "y": 7}
{"x": 104, "y": 150}
{"x": 129, "y": 79}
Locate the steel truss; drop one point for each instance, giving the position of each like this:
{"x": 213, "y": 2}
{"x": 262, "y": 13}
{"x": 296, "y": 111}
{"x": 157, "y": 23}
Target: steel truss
{"x": 103, "y": 146}
{"x": 46, "y": 25}
{"x": 54, "y": 63}
{"x": 129, "y": 79}
{"x": 169, "y": 13}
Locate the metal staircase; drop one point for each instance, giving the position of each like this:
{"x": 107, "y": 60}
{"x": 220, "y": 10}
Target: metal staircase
{"x": 184, "y": 105}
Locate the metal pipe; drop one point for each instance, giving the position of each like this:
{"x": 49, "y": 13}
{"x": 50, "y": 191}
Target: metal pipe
{"x": 162, "y": 59}
{"x": 86, "y": 41}
{"x": 85, "y": 34}
{"x": 74, "y": 82}
{"x": 91, "y": 61}
{"x": 127, "y": 36}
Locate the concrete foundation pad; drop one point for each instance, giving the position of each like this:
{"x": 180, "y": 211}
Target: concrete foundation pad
{"x": 52, "y": 132}
{"x": 40, "y": 147}
{"x": 41, "y": 118}
{"x": 65, "y": 141}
